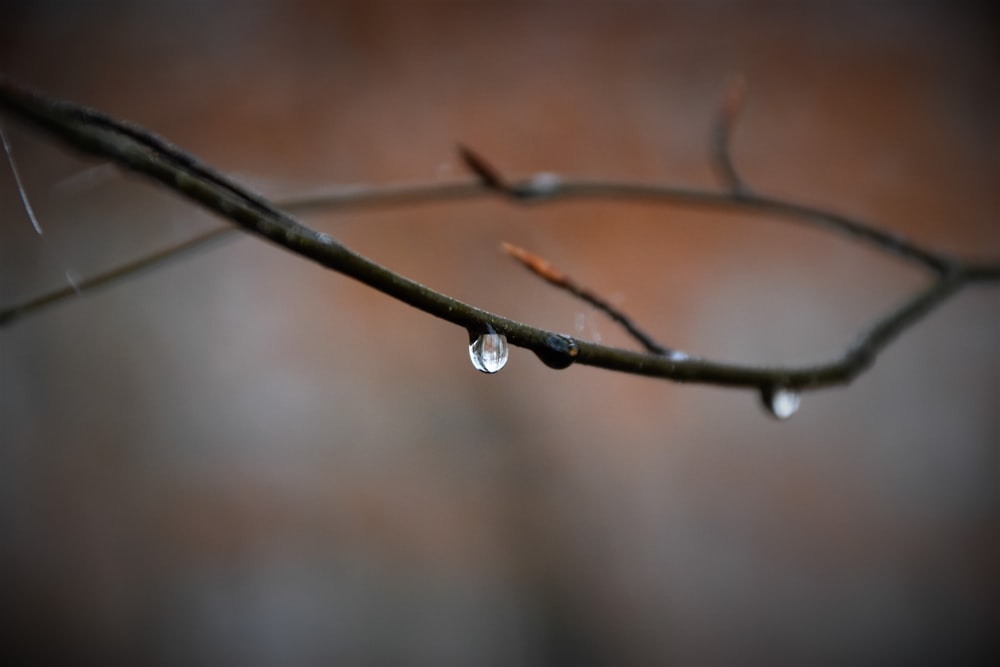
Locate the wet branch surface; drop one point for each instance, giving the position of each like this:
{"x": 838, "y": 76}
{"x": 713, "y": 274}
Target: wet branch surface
{"x": 137, "y": 150}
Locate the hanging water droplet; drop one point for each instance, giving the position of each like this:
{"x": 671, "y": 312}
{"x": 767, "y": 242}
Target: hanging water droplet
{"x": 781, "y": 402}
{"x": 560, "y": 351}
{"x": 489, "y": 352}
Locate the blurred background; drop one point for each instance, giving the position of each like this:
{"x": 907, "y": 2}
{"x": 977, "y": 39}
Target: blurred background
{"x": 243, "y": 459}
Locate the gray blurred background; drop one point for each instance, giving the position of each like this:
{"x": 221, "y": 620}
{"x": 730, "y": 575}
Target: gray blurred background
{"x": 243, "y": 459}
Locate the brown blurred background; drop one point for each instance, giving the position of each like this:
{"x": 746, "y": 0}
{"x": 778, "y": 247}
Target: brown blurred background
{"x": 243, "y": 459}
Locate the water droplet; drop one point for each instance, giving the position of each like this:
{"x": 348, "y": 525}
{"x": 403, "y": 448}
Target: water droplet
{"x": 489, "y": 352}
{"x": 545, "y": 183}
{"x": 677, "y": 355}
{"x": 780, "y": 402}
{"x": 560, "y": 351}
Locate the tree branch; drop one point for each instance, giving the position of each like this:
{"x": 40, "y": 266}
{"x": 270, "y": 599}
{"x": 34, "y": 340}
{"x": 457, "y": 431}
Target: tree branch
{"x": 140, "y": 151}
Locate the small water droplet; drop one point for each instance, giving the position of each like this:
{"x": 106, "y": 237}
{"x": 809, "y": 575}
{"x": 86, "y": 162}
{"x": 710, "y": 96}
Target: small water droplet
{"x": 677, "y": 355}
{"x": 445, "y": 169}
{"x": 781, "y": 402}
{"x": 545, "y": 183}
{"x": 489, "y": 352}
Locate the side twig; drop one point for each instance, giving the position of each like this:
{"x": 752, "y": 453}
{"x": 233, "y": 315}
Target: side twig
{"x": 200, "y": 242}
{"x": 722, "y": 135}
{"x": 550, "y": 274}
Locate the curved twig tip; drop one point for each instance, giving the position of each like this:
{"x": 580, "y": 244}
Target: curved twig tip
{"x": 486, "y": 172}
{"x": 538, "y": 265}
{"x": 735, "y": 99}
{"x": 722, "y": 135}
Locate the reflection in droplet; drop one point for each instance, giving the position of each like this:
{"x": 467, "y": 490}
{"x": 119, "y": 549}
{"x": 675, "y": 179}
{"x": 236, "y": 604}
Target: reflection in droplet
{"x": 781, "y": 402}
{"x": 489, "y": 352}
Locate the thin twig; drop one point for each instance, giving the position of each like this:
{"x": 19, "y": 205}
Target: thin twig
{"x": 722, "y": 136}
{"x": 556, "y": 187}
{"x": 138, "y": 150}
{"x": 544, "y": 270}
{"x": 106, "y": 278}
{"x": 488, "y": 174}
{"x": 883, "y": 332}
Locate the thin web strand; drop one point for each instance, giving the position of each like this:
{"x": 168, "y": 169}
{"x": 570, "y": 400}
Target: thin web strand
{"x": 17, "y": 180}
